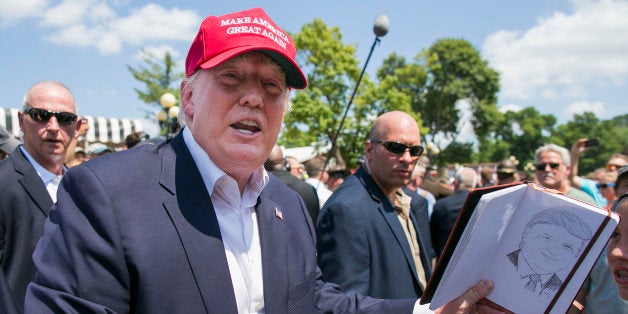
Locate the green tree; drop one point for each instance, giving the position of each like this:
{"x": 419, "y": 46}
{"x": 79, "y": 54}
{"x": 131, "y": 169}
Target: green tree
{"x": 611, "y": 134}
{"x": 158, "y": 75}
{"x": 449, "y": 72}
{"x": 332, "y": 72}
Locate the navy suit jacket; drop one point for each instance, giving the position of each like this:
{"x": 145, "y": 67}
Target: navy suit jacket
{"x": 362, "y": 246}
{"x": 136, "y": 231}
{"x": 24, "y": 206}
{"x": 443, "y": 218}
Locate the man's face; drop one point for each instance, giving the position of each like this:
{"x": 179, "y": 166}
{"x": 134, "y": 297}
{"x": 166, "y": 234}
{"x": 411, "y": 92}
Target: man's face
{"x": 48, "y": 141}
{"x": 235, "y": 111}
{"x": 549, "y": 248}
{"x": 615, "y": 163}
{"x": 617, "y": 252}
{"x": 389, "y": 170}
{"x": 551, "y": 177}
{"x": 622, "y": 186}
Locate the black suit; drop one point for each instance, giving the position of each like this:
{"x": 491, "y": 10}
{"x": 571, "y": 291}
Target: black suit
{"x": 307, "y": 192}
{"x": 24, "y": 206}
{"x": 444, "y": 216}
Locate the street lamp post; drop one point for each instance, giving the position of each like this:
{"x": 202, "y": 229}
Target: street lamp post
{"x": 380, "y": 28}
{"x": 167, "y": 117}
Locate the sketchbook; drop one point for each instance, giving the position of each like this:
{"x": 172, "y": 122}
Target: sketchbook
{"x": 536, "y": 245}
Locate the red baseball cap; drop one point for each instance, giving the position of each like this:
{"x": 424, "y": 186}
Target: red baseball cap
{"x": 221, "y": 38}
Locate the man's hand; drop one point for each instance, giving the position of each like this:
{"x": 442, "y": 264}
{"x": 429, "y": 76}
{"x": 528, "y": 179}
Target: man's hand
{"x": 578, "y": 147}
{"x": 468, "y": 302}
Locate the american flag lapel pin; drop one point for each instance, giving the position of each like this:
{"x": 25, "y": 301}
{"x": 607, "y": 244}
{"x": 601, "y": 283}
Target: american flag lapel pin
{"x": 278, "y": 213}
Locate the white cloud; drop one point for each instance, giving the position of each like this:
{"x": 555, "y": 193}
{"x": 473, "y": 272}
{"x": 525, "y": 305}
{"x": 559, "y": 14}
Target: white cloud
{"x": 580, "y": 107}
{"x": 95, "y": 23}
{"x": 14, "y": 10}
{"x": 564, "y": 55}
{"x": 156, "y": 51}
{"x": 510, "y": 107}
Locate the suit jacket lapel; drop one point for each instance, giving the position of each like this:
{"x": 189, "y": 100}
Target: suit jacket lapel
{"x": 274, "y": 245}
{"x": 31, "y": 182}
{"x": 390, "y": 216}
{"x": 193, "y": 215}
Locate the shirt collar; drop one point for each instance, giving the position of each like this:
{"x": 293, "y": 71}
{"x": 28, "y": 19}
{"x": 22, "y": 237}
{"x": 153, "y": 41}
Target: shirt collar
{"x": 211, "y": 174}
{"x": 43, "y": 173}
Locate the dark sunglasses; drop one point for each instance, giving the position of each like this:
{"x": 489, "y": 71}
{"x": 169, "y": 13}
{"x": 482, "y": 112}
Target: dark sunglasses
{"x": 398, "y": 148}
{"x": 43, "y": 115}
{"x": 541, "y": 166}
{"x": 605, "y": 185}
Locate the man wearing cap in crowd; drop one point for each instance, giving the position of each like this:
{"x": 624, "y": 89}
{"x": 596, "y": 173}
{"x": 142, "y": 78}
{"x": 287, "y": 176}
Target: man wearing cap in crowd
{"x": 507, "y": 171}
{"x": 210, "y": 231}
{"x": 29, "y": 178}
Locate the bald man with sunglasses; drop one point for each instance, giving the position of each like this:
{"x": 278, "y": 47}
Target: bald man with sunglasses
{"x": 29, "y": 178}
{"x": 369, "y": 239}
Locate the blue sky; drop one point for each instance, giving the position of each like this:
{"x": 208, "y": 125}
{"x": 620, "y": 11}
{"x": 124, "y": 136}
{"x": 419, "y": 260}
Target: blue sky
{"x": 561, "y": 57}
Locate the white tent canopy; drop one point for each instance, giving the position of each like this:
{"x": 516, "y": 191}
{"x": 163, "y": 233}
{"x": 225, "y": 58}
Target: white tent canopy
{"x": 105, "y": 130}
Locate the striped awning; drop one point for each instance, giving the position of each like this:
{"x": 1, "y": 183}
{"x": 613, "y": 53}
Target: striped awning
{"x": 104, "y": 130}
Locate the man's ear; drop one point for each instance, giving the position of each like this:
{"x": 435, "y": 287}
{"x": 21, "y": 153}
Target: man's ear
{"x": 186, "y": 91}
{"x": 368, "y": 149}
{"x": 78, "y": 123}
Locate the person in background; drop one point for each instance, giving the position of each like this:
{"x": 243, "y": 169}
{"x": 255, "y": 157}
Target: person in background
{"x": 295, "y": 168}
{"x": 209, "y": 231}
{"x": 446, "y": 209}
{"x": 369, "y": 240}
{"x": 74, "y": 146}
{"x": 318, "y": 177}
{"x": 598, "y": 294}
{"x": 486, "y": 177}
{"x": 587, "y": 185}
{"x": 30, "y": 176}
{"x": 98, "y": 149}
{"x": 433, "y": 183}
{"x": 276, "y": 165}
{"x": 336, "y": 177}
{"x": 7, "y": 143}
{"x": 417, "y": 177}
{"x": 621, "y": 184}
{"x": 80, "y": 156}
{"x": 507, "y": 172}
{"x": 606, "y": 185}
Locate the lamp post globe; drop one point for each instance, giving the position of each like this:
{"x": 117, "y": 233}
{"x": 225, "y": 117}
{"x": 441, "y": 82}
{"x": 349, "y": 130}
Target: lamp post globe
{"x": 161, "y": 116}
{"x": 381, "y": 25}
{"x": 173, "y": 112}
{"x": 167, "y": 100}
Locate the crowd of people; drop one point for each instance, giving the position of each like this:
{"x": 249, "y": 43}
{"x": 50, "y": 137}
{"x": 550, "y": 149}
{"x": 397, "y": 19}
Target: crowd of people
{"x": 218, "y": 220}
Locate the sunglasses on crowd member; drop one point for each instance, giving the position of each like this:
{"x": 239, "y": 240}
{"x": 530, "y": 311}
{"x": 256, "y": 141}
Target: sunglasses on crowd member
{"x": 611, "y": 167}
{"x": 398, "y": 148}
{"x": 541, "y": 166}
{"x": 43, "y": 115}
{"x": 605, "y": 185}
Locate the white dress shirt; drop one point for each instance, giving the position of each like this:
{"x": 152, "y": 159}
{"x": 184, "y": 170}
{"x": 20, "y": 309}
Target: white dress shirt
{"x": 238, "y": 226}
{"x": 50, "y": 180}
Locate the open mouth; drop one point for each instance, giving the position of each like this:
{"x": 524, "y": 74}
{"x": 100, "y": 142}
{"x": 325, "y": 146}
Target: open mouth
{"x": 247, "y": 127}
{"x": 622, "y": 274}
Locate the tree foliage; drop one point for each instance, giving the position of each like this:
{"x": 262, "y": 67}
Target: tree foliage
{"x": 332, "y": 72}
{"x": 158, "y": 76}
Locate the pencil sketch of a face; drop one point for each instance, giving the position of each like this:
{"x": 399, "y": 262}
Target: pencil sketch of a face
{"x": 551, "y": 242}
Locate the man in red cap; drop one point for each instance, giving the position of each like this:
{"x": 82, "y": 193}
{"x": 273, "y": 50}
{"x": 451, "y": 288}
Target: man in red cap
{"x": 196, "y": 225}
